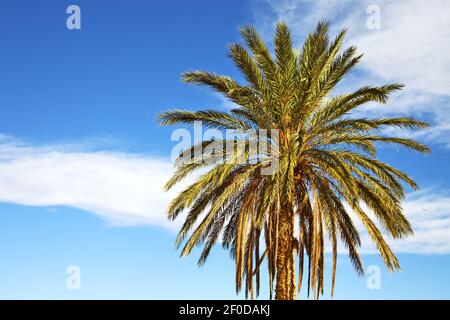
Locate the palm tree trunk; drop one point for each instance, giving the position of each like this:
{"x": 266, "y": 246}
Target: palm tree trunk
{"x": 285, "y": 278}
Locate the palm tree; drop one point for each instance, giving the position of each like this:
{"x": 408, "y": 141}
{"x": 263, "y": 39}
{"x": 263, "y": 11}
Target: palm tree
{"x": 327, "y": 165}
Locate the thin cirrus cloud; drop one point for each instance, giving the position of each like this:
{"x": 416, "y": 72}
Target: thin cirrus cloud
{"x": 428, "y": 211}
{"x": 126, "y": 189}
{"x": 122, "y": 188}
{"x": 410, "y": 47}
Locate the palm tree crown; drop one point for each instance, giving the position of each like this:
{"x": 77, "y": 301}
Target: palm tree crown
{"x": 327, "y": 165}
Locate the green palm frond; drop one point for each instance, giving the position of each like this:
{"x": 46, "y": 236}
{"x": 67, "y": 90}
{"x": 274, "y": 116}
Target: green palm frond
{"x": 328, "y": 171}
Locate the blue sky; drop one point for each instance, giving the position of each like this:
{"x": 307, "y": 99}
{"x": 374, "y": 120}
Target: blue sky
{"x": 83, "y": 160}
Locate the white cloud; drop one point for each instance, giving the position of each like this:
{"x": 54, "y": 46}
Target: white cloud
{"x": 224, "y": 103}
{"x": 429, "y": 213}
{"x": 411, "y": 47}
{"x": 123, "y": 188}
{"x": 126, "y": 189}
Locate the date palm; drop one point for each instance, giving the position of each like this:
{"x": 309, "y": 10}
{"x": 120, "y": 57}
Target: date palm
{"x": 327, "y": 173}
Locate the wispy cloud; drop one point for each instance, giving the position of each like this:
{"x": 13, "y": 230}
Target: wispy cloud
{"x": 224, "y": 103}
{"x": 122, "y": 188}
{"x": 410, "y": 47}
{"x": 126, "y": 189}
{"x": 429, "y": 213}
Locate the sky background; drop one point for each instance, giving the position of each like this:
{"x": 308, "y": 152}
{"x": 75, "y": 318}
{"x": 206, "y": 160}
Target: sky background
{"x": 83, "y": 159}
